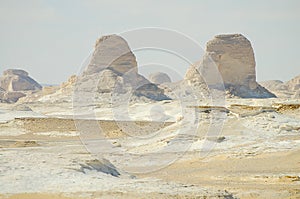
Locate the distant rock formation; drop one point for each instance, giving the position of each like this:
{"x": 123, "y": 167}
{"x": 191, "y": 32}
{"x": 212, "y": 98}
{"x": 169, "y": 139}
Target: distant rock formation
{"x": 111, "y": 52}
{"x": 110, "y": 75}
{"x": 159, "y": 78}
{"x": 232, "y": 55}
{"x": 15, "y": 84}
{"x": 18, "y": 80}
{"x": 113, "y": 70}
{"x": 294, "y": 84}
{"x": 289, "y": 89}
{"x": 273, "y": 85}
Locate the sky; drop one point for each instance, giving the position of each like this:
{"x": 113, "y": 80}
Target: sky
{"x": 51, "y": 39}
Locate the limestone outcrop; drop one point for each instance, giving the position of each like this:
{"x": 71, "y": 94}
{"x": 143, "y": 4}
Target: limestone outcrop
{"x": 15, "y": 84}
{"x": 232, "y": 55}
{"x": 111, "y": 52}
{"x": 18, "y": 80}
{"x": 112, "y": 71}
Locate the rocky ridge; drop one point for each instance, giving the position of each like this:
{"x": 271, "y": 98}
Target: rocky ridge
{"x": 111, "y": 74}
{"x": 289, "y": 89}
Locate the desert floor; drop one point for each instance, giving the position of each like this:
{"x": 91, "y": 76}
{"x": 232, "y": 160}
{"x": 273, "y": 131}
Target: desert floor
{"x": 255, "y": 156}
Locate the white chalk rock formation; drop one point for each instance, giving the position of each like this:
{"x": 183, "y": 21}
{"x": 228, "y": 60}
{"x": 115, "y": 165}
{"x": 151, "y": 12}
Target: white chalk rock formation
{"x": 232, "y": 55}
{"x": 112, "y": 72}
{"x": 18, "y": 80}
{"x": 112, "y": 52}
{"x": 159, "y": 78}
{"x": 15, "y": 84}
{"x": 294, "y": 84}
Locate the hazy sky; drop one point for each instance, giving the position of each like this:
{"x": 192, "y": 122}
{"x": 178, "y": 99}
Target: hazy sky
{"x": 51, "y": 38}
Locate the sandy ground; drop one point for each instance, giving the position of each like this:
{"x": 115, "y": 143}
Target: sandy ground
{"x": 48, "y": 166}
{"x": 269, "y": 175}
{"x": 255, "y": 156}
{"x": 105, "y": 195}
{"x": 36, "y": 196}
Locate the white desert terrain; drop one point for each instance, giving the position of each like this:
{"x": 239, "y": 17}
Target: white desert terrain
{"x": 109, "y": 132}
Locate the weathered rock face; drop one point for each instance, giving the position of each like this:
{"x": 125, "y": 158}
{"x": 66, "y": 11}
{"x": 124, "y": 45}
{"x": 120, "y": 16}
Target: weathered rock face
{"x": 112, "y": 52}
{"x": 18, "y": 80}
{"x": 232, "y": 55}
{"x": 159, "y": 78}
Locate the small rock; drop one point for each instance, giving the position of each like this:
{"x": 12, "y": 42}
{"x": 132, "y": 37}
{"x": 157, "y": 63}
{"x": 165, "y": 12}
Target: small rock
{"x": 216, "y": 139}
